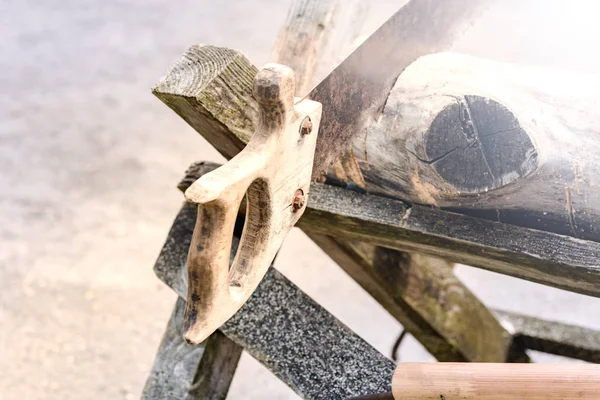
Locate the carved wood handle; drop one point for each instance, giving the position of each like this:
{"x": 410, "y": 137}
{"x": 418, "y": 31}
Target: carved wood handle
{"x": 274, "y": 172}
{"x": 487, "y": 381}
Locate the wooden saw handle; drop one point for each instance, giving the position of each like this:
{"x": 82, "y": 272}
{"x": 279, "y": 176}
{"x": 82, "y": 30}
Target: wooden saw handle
{"x": 274, "y": 171}
{"x": 482, "y": 381}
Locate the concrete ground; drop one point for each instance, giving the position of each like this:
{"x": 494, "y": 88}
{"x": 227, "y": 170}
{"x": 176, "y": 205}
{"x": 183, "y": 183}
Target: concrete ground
{"x": 89, "y": 160}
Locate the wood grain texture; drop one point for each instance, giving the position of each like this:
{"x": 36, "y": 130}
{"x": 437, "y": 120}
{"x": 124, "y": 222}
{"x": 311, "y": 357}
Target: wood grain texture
{"x": 509, "y": 143}
{"x": 467, "y": 381}
{"x": 182, "y": 371}
{"x": 273, "y": 171}
{"x": 302, "y": 37}
{"x": 548, "y": 258}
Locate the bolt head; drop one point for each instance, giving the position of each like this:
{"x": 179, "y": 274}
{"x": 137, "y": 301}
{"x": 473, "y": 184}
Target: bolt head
{"x": 298, "y": 201}
{"x": 306, "y": 126}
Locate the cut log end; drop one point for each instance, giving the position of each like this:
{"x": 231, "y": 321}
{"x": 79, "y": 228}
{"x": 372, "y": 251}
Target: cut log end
{"x": 476, "y": 144}
{"x": 198, "y": 67}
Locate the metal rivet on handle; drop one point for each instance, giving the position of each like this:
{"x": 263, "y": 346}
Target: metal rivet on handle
{"x": 298, "y": 201}
{"x": 306, "y": 126}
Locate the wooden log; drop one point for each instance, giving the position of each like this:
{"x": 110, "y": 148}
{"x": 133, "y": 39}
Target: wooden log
{"x": 356, "y": 92}
{"x": 182, "y": 371}
{"x": 470, "y": 381}
{"x": 448, "y": 336}
{"x": 286, "y": 330}
{"x": 508, "y": 143}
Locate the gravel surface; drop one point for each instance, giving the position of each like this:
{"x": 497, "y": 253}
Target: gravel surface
{"x": 89, "y": 160}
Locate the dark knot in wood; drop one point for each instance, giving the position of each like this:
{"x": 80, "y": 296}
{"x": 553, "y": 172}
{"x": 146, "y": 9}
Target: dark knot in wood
{"x": 476, "y": 144}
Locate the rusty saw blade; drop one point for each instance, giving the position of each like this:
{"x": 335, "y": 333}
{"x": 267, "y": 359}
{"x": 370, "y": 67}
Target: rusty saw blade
{"x": 355, "y": 93}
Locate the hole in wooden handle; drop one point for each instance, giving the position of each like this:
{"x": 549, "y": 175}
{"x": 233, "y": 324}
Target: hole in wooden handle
{"x": 274, "y": 165}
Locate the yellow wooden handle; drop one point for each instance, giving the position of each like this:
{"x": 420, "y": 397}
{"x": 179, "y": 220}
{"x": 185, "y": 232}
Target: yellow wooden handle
{"x": 469, "y": 381}
{"x": 274, "y": 172}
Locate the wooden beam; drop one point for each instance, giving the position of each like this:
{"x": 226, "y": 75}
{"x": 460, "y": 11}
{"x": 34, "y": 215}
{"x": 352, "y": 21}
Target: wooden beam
{"x": 444, "y": 335}
{"x": 494, "y": 381}
{"x": 423, "y": 293}
{"x": 218, "y": 101}
{"x": 182, "y": 371}
{"x": 548, "y": 258}
{"x": 286, "y": 330}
